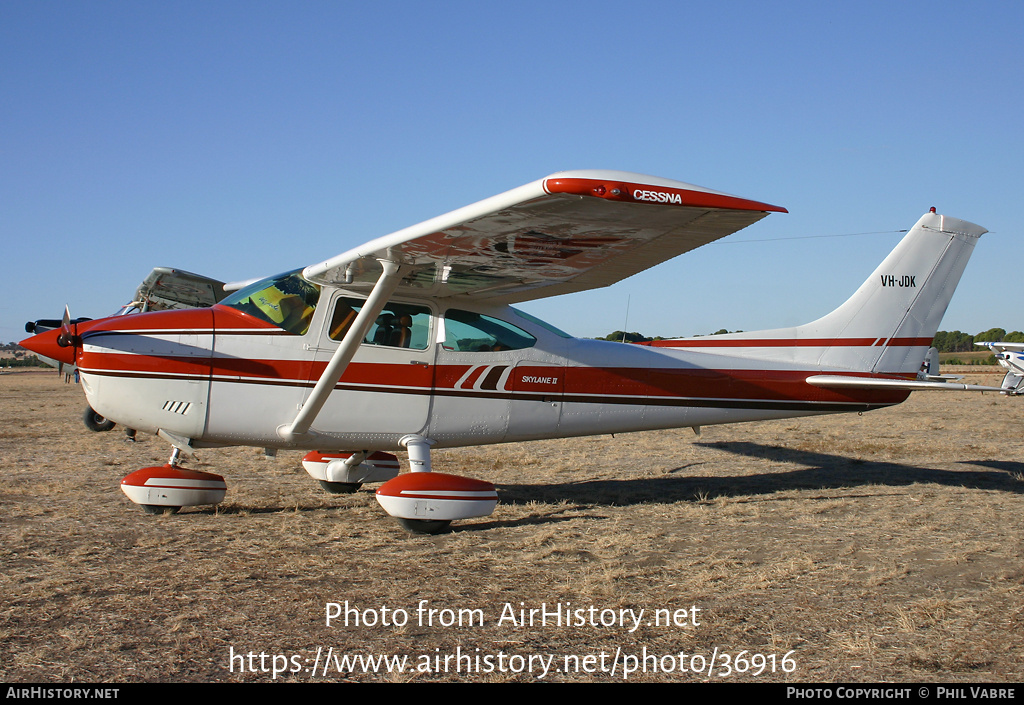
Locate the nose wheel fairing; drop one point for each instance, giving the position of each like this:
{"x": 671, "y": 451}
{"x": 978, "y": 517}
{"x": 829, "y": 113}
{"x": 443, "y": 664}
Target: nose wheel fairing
{"x": 166, "y": 488}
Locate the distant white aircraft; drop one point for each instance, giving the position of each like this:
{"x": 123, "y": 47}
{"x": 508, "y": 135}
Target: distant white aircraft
{"x": 1010, "y": 356}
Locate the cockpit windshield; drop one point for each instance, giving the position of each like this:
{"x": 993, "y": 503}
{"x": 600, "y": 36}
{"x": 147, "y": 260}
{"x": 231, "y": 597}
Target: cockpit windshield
{"x": 286, "y": 300}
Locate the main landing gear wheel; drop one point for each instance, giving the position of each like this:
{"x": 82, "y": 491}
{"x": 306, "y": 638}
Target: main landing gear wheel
{"x": 340, "y": 487}
{"x": 96, "y": 422}
{"x": 159, "y": 509}
{"x": 423, "y": 526}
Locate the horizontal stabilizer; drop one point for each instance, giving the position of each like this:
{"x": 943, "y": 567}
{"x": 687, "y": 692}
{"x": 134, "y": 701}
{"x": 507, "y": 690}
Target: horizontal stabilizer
{"x": 846, "y": 381}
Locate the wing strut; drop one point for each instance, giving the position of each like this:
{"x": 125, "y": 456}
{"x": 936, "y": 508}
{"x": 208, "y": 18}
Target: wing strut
{"x": 375, "y": 303}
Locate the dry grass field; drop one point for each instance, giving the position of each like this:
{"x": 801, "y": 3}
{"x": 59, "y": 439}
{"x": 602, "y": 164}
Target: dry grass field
{"x": 882, "y": 547}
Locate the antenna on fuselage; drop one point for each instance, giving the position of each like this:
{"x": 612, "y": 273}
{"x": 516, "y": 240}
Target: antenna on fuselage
{"x": 625, "y": 324}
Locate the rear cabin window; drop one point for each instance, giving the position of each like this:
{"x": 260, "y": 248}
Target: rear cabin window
{"x": 466, "y": 331}
{"x": 397, "y": 326}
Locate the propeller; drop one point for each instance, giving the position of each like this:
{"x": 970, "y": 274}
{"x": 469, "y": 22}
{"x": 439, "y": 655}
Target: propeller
{"x": 59, "y": 341}
{"x": 66, "y": 339}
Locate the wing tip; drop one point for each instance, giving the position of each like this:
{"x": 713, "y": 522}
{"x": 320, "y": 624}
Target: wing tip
{"x": 628, "y": 187}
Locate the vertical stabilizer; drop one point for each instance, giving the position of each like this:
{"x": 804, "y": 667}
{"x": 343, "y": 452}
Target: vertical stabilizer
{"x": 889, "y": 323}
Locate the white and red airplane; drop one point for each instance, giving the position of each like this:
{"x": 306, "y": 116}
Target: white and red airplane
{"x": 410, "y": 342}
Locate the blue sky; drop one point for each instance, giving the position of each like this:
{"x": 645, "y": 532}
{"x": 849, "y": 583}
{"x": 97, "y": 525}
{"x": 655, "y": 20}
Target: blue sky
{"x": 239, "y": 139}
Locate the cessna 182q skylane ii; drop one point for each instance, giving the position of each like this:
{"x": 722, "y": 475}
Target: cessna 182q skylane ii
{"x": 409, "y": 341}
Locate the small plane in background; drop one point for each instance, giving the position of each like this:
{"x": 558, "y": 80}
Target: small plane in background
{"x": 163, "y": 289}
{"x": 410, "y": 342}
{"x": 1010, "y": 356}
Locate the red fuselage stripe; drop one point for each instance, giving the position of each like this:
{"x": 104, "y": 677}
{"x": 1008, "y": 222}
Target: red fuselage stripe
{"x": 646, "y": 386}
{"x": 714, "y": 342}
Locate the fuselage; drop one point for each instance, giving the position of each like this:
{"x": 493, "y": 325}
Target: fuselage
{"x": 458, "y": 373}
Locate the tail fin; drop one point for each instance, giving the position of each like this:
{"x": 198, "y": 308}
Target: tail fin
{"x": 888, "y": 325}
{"x": 902, "y": 303}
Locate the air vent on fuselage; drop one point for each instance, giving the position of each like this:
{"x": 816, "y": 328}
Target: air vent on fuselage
{"x": 177, "y": 407}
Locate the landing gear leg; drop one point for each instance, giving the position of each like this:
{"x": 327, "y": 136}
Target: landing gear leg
{"x": 419, "y": 452}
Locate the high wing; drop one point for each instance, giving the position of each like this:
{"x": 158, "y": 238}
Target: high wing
{"x": 568, "y": 232}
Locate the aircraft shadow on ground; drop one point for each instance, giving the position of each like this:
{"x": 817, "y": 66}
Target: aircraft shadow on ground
{"x": 820, "y": 471}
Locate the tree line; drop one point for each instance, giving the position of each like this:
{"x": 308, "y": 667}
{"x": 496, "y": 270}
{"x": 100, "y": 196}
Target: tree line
{"x": 956, "y": 341}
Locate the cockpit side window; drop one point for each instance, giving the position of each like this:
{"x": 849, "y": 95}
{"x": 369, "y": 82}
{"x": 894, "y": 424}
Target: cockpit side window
{"x": 287, "y": 300}
{"x": 466, "y": 331}
{"x": 398, "y": 325}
